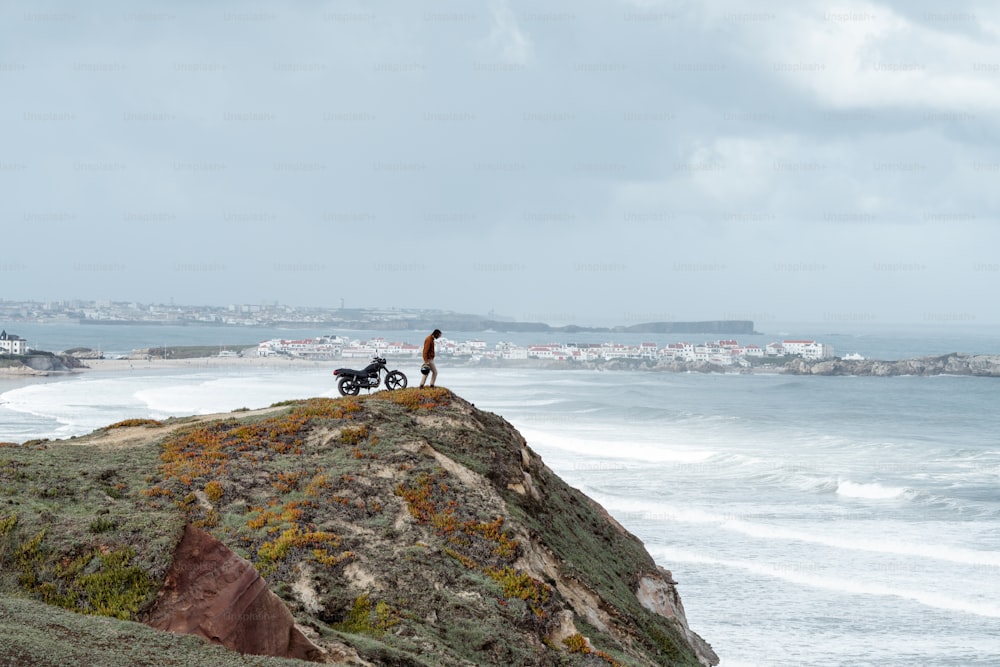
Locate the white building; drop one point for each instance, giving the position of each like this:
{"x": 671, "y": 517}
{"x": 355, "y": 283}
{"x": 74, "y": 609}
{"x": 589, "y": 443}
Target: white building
{"x": 545, "y": 351}
{"x": 511, "y": 351}
{"x": 611, "y": 351}
{"x": 678, "y": 352}
{"x": 309, "y": 348}
{"x": 11, "y": 344}
{"x": 807, "y": 349}
{"x": 591, "y": 352}
{"x": 472, "y": 348}
{"x": 774, "y": 350}
{"x": 410, "y": 349}
{"x": 721, "y": 359}
{"x": 358, "y": 350}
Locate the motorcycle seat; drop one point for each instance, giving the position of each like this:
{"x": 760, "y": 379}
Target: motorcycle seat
{"x": 370, "y": 368}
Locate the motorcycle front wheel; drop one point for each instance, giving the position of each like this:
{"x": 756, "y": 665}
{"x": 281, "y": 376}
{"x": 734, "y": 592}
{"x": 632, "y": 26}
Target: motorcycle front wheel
{"x": 348, "y": 386}
{"x": 395, "y": 380}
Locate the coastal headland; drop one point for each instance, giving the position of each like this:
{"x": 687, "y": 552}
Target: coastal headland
{"x": 501, "y": 326}
{"x": 359, "y": 319}
{"x": 405, "y": 528}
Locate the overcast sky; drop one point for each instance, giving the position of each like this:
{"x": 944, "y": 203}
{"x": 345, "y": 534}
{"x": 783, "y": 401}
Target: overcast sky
{"x": 565, "y": 161}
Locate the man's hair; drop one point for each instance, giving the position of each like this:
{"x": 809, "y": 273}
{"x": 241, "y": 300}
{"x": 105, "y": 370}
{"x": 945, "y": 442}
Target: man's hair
{"x": 436, "y": 332}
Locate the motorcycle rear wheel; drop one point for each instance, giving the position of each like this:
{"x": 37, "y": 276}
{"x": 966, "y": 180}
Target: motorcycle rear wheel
{"x": 348, "y": 386}
{"x": 395, "y": 380}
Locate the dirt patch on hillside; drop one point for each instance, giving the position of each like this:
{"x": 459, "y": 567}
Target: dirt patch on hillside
{"x": 134, "y": 436}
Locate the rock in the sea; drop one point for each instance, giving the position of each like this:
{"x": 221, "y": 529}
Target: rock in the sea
{"x": 948, "y": 364}
{"x": 985, "y": 364}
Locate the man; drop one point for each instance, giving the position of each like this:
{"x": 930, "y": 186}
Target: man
{"x": 429, "y": 358}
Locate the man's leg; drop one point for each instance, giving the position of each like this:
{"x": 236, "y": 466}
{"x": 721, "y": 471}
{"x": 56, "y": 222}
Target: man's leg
{"x": 434, "y": 372}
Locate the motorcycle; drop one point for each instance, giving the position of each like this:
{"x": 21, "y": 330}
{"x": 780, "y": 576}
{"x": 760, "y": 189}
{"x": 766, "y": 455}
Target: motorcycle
{"x": 351, "y": 381}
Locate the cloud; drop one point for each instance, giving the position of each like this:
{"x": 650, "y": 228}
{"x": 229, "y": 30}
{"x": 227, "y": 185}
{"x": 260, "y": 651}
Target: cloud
{"x": 866, "y": 55}
{"x": 507, "y": 41}
{"x": 624, "y": 145}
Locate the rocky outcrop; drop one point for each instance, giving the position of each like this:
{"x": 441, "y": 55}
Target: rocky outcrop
{"x": 403, "y": 528}
{"x": 692, "y": 367}
{"x": 658, "y": 593}
{"x": 211, "y": 592}
{"x": 49, "y": 363}
{"x": 948, "y": 364}
{"x": 984, "y": 364}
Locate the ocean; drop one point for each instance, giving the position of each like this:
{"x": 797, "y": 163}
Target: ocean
{"x": 808, "y": 520}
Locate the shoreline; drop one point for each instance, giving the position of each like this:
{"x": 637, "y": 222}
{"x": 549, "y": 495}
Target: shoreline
{"x": 105, "y": 365}
{"x": 193, "y": 363}
{"x": 954, "y": 364}
{"x": 22, "y": 372}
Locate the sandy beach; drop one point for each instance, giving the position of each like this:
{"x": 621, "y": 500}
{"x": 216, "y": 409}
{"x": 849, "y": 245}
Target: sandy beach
{"x": 99, "y": 365}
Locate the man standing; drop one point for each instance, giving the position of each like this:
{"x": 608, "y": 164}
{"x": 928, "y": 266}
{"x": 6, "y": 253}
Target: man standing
{"x": 429, "y": 358}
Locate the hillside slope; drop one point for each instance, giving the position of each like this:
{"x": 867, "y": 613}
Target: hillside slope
{"x": 404, "y": 528}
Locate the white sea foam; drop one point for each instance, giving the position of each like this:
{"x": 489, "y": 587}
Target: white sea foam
{"x": 870, "y": 491}
{"x": 649, "y": 451}
{"x": 79, "y": 405}
{"x": 862, "y": 542}
{"x": 73, "y": 407}
{"x": 893, "y": 502}
{"x": 653, "y": 511}
{"x": 206, "y": 394}
{"x": 852, "y": 585}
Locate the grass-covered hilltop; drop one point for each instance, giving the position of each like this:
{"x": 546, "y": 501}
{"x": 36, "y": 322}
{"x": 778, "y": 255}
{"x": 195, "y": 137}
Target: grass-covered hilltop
{"x": 401, "y": 528}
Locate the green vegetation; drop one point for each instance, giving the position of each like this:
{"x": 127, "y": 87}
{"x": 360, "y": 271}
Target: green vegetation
{"x": 387, "y": 523}
{"x": 369, "y": 619}
{"x": 132, "y": 423}
{"x": 95, "y": 582}
{"x": 37, "y": 634}
{"x": 102, "y": 525}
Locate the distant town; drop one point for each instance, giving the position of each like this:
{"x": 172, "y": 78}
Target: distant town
{"x": 726, "y": 355}
{"x": 720, "y": 352}
{"x": 132, "y": 312}
{"x": 370, "y": 319}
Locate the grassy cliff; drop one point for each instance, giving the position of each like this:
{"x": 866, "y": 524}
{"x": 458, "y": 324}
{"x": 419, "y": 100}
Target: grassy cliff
{"x": 404, "y": 528}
